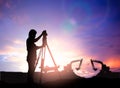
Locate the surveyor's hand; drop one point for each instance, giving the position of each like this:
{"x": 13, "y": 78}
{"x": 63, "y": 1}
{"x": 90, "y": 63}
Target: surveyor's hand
{"x": 43, "y": 45}
{"x": 42, "y": 33}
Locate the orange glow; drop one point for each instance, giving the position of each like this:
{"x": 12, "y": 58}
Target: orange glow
{"x": 113, "y": 62}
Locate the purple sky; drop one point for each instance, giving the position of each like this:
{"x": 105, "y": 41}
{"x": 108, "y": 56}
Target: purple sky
{"x": 76, "y": 29}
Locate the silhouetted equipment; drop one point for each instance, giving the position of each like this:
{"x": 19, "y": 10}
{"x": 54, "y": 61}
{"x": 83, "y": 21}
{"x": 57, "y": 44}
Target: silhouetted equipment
{"x": 93, "y": 66}
{"x": 104, "y": 67}
{"x": 42, "y": 55}
{"x": 78, "y": 68}
{"x": 47, "y": 68}
{"x": 68, "y": 67}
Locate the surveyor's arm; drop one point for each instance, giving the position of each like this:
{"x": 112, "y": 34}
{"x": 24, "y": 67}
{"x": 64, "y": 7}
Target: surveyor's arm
{"x": 36, "y": 39}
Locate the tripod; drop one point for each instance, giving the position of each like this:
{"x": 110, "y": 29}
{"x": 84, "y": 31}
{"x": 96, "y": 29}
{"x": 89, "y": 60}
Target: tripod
{"x": 42, "y": 55}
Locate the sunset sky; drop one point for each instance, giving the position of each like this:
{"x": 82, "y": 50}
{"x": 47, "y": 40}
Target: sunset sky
{"x": 88, "y": 29}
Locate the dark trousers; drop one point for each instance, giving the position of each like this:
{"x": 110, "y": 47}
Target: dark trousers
{"x": 30, "y": 75}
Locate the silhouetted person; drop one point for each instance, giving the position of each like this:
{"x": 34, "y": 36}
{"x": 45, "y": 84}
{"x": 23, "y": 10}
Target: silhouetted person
{"x": 31, "y": 52}
{"x": 104, "y": 67}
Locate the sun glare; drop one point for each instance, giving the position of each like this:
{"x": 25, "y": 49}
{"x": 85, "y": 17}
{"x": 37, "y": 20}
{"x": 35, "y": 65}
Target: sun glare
{"x": 59, "y": 51}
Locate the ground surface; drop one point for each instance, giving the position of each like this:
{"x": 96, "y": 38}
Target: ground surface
{"x": 18, "y": 80}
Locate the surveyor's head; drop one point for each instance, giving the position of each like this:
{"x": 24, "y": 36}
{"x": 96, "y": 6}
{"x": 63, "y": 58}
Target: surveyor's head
{"x": 32, "y": 33}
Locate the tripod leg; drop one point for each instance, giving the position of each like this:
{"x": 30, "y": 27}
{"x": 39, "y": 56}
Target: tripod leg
{"x": 51, "y": 55}
{"x": 42, "y": 66}
{"x": 56, "y": 67}
{"x": 38, "y": 59}
{"x": 42, "y": 63}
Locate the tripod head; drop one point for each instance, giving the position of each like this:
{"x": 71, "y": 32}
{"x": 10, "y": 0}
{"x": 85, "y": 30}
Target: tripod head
{"x": 44, "y": 40}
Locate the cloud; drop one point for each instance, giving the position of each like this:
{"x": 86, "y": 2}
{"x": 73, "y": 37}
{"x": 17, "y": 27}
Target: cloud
{"x": 16, "y": 18}
{"x": 13, "y": 57}
{"x": 12, "y": 63}
{"x": 15, "y": 47}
